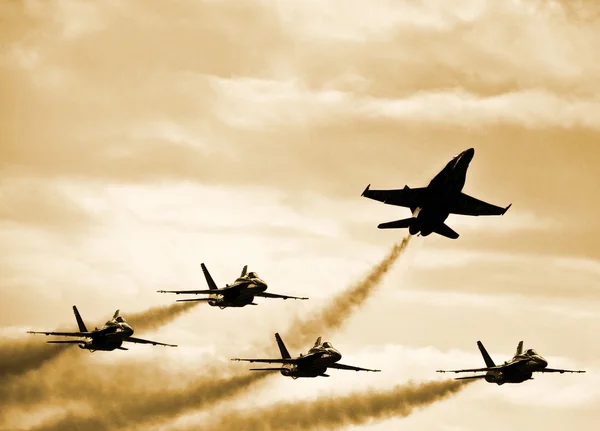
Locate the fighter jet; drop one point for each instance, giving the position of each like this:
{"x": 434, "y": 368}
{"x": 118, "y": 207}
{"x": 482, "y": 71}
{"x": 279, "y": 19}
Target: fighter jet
{"x": 110, "y": 337}
{"x": 517, "y": 370}
{"x": 239, "y": 294}
{"x": 431, "y": 205}
{"x": 313, "y": 364}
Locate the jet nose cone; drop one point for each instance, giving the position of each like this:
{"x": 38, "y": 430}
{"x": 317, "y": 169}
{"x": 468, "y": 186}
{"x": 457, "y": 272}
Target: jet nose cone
{"x": 468, "y": 154}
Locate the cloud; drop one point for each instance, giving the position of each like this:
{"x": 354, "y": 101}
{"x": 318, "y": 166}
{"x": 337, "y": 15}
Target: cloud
{"x": 289, "y": 103}
{"x": 39, "y": 204}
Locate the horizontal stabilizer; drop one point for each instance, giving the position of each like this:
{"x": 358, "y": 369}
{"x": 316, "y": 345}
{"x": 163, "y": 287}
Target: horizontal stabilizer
{"x": 66, "y": 342}
{"x": 193, "y": 299}
{"x": 397, "y": 224}
{"x": 471, "y": 377}
{"x": 445, "y": 230}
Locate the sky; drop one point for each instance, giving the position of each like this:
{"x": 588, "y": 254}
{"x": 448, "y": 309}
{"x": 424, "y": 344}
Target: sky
{"x": 139, "y": 139}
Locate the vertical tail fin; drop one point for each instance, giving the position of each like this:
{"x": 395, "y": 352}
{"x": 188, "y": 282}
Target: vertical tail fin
{"x": 284, "y": 352}
{"x": 486, "y": 355}
{"x": 318, "y": 342}
{"x": 80, "y": 323}
{"x": 519, "y": 348}
{"x": 116, "y": 314}
{"x": 209, "y": 280}
{"x": 244, "y": 271}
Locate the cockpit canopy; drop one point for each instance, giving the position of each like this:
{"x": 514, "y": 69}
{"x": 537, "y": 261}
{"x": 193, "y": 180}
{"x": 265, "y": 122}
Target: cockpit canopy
{"x": 252, "y": 274}
{"x": 327, "y": 345}
{"x": 531, "y": 352}
{"x": 119, "y": 319}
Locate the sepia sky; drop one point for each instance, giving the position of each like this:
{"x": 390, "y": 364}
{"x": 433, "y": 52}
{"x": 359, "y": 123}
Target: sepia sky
{"x": 139, "y": 139}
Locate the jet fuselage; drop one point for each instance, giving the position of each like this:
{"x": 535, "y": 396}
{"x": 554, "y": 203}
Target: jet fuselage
{"x": 110, "y": 337}
{"x": 239, "y": 297}
{"x": 442, "y": 190}
{"x": 517, "y": 370}
{"x": 314, "y": 364}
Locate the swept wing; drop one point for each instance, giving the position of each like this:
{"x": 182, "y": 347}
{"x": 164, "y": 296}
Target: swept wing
{"x": 192, "y": 292}
{"x": 220, "y": 291}
{"x": 351, "y": 368}
{"x": 472, "y": 370}
{"x": 102, "y": 331}
{"x": 406, "y": 197}
{"x": 275, "y": 295}
{"x": 269, "y": 361}
{"x": 554, "y": 370}
{"x": 64, "y": 334}
{"x": 142, "y": 341}
{"x": 468, "y": 205}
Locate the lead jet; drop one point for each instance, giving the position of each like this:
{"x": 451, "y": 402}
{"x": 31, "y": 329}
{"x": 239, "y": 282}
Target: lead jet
{"x": 110, "y": 337}
{"x": 432, "y": 205}
{"x": 239, "y": 294}
{"x": 313, "y": 364}
{"x": 520, "y": 368}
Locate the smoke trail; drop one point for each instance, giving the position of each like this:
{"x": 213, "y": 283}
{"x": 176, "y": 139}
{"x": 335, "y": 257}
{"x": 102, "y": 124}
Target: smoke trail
{"x": 18, "y": 357}
{"x": 336, "y": 412}
{"x": 158, "y": 316}
{"x": 119, "y": 412}
{"x": 342, "y": 305}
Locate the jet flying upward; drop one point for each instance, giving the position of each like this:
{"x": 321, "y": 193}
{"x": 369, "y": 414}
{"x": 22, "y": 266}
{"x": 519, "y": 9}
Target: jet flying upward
{"x": 431, "y": 205}
{"x": 110, "y": 337}
{"x": 517, "y": 370}
{"x": 239, "y": 294}
{"x": 320, "y": 357}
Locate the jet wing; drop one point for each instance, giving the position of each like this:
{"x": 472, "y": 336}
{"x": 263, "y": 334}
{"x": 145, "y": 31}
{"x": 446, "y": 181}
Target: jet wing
{"x": 268, "y": 361}
{"x": 553, "y": 370}
{"x": 468, "y": 205}
{"x": 350, "y": 367}
{"x": 275, "y": 295}
{"x": 64, "y": 334}
{"x": 192, "y": 292}
{"x": 470, "y": 370}
{"x": 141, "y": 341}
{"x": 406, "y": 197}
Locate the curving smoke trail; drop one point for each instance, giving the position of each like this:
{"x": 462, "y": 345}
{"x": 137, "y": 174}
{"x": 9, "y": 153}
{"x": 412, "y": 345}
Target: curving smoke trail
{"x": 341, "y": 306}
{"x": 336, "y": 412}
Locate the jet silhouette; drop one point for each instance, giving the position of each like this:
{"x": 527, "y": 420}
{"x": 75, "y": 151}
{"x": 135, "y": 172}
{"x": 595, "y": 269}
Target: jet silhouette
{"x": 518, "y": 369}
{"x": 239, "y": 294}
{"x": 314, "y": 364}
{"x": 432, "y": 205}
{"x": 110, "y": 337}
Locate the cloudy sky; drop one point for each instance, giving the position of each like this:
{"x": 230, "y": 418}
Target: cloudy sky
{"x": 139, "y": 139}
